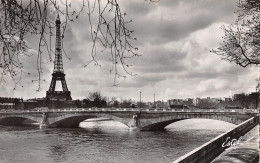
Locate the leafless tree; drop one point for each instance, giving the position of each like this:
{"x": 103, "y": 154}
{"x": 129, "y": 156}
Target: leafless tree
{"x": 21, "y": 18}
{"x": 96, "y": 96}
{"x": 248, "y": 101}
{"x": 241, "y": 42}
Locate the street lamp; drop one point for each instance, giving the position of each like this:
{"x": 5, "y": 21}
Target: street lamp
{"x": 140, "y": 99}
{"x": 154, "y": 98}
{"x": 256, "y": 98}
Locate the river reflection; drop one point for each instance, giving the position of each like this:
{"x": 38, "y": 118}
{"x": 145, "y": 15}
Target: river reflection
{"x": 106, "y": 141}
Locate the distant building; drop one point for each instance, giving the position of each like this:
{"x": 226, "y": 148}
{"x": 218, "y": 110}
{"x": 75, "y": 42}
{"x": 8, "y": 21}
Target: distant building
{"x": 161, "y": 104}
{"x": 227, "y": 99}
{"x": 196, "y": 101}
{"x": 188, "y": 102}
{"x": 11, "y": 103}
{"x": 7, "y": 106}
{"x": 180, "y": 102}
{"x": 30, "y": 104}
{"x": 216, "y": 100}
{"x": 175, "y": 102}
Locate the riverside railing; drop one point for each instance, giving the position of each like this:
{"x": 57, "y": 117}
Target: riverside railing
{"x": 210, "y": 150}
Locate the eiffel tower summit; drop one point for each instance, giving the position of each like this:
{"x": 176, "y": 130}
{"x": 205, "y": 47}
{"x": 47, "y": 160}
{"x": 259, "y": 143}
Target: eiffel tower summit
{"x": 58, "y": 72}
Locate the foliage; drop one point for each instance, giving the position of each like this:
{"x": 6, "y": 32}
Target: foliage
{"x": 78, "y": 103}
{"x": 248, "y": 101}
{"x": 96, "y": 96}
{"x": 95, "y": 99}
{"x": 206, "y": 103}
{"x": 116, "y": 104}
{"x": 126, "y": 103}
{"x": 242, "y": 100}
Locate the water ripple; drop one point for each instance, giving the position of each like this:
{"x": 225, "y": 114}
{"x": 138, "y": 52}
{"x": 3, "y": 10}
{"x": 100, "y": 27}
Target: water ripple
{"x": 103, "y": 142}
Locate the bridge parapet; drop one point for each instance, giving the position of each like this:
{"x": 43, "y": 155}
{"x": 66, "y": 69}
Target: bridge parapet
{"x": 132, "y": 109}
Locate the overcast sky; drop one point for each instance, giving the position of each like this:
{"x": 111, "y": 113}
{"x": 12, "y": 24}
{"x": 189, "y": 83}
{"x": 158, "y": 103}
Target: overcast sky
{"x": 174, "y": 39}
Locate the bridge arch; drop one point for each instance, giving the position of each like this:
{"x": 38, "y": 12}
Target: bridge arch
{"x": 16, "y": 120}
{"x": 73, "y": 120}
{"x": 161, "y": 122}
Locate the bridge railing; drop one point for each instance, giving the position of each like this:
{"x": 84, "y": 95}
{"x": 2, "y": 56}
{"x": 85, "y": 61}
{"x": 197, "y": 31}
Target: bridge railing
{"x": 130, "y": 109}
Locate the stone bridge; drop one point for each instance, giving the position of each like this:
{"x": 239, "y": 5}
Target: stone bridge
{"x": 142, "y": 119}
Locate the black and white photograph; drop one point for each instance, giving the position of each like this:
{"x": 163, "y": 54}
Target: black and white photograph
{"x": 129, "y": 81}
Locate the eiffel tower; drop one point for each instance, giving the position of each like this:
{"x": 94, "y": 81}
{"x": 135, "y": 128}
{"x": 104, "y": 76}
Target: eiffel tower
{"x": 58, "y": 72}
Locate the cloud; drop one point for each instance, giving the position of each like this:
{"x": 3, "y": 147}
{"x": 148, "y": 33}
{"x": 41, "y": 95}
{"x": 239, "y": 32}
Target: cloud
{"x": 173, "y": 20}
{"x": 174, "y": 40}
{"x": 160, "y": 59}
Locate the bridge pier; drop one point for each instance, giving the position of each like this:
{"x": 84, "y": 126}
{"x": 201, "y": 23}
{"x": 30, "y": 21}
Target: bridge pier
{"x": 45, "y": 120}
{"x": 138, "y": 122}
{"x": 134, "y": 124}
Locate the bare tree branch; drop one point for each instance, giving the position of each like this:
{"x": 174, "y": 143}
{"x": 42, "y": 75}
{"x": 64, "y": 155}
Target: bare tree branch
{"x": 241, "y": 43}
{"x": 21, "y": 18}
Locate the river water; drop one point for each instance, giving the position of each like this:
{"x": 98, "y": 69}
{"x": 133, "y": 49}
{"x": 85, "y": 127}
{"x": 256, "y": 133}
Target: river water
{"x": 105, "y": 142}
